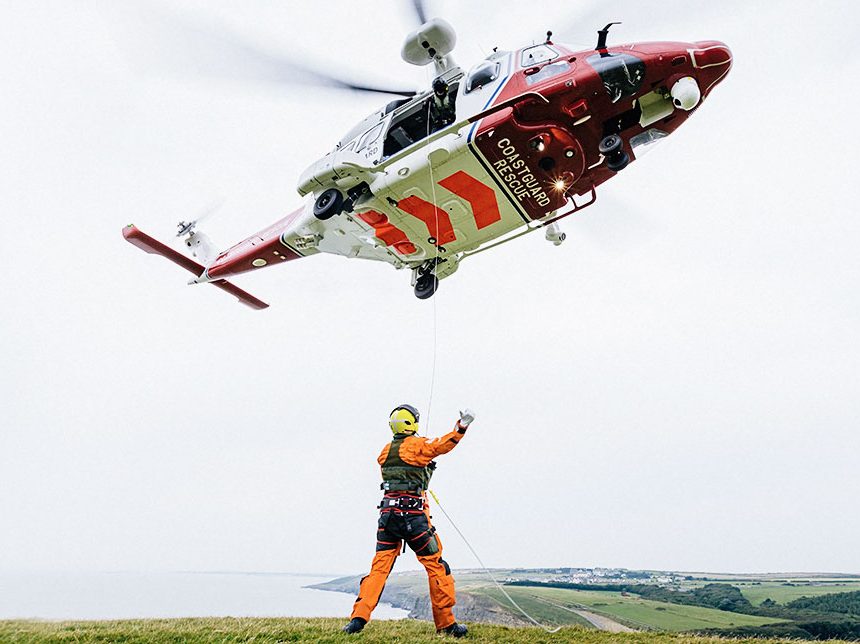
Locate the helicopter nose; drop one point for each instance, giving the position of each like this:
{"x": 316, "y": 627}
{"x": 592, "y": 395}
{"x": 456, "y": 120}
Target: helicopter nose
{"x": 712, "y": 60}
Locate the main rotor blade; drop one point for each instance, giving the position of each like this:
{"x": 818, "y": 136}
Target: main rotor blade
{"x": 176, "y": 46}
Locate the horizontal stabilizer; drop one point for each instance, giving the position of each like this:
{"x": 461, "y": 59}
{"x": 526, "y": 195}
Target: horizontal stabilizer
{"x": 143, "y": 241}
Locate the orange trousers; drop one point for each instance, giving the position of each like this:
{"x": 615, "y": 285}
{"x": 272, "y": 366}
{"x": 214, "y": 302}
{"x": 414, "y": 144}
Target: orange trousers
{"x": 416, "y": 530}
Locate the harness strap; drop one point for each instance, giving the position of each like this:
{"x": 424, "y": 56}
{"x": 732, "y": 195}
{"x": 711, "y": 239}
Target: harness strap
{"x": 400, "y": 487}
{"x": 401, "y": 503}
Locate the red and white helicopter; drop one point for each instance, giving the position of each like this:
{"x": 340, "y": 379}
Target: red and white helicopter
{"x": 514, "y": 144}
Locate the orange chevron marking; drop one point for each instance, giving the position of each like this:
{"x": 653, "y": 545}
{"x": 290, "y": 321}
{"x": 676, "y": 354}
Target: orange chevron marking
{"x": 481, "y": 197}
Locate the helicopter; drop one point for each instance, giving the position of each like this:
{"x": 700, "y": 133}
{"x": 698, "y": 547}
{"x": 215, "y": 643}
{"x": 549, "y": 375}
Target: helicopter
{"x": 483, "y": 156}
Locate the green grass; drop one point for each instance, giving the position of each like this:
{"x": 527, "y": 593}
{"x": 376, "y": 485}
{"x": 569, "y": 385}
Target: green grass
{"x": 260, "y": 631}
{"x": 539, "y": 610}
{"x": 630, "y": 610}
{"x": 783, "y": 594}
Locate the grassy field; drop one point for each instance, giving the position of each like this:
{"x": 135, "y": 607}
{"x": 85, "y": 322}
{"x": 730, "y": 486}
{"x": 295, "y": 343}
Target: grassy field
{"x": 629, "y": 610}
{"x": 781, "y": 594}
{"x": 261, "y": 631}
{"x": 531, "y": 602}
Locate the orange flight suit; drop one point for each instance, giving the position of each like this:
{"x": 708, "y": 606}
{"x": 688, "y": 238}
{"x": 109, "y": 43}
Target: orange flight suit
{"x": 398, "y": 523}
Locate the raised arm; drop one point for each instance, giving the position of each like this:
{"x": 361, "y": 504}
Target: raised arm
{"x": 419, "y": 451}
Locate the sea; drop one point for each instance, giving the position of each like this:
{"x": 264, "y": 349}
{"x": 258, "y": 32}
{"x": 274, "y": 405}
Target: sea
{"x": 127, "y": 595}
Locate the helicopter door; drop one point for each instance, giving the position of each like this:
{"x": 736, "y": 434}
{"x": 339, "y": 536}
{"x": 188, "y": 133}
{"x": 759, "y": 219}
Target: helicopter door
{"x": 414, "y": 123}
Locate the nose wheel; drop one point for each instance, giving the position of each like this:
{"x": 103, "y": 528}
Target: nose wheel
{"x": 612, "y": 147}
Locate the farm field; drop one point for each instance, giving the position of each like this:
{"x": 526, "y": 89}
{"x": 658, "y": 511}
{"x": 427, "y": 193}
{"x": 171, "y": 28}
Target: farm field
{"x": 782, "y": 594}
{"x": 551, "y": 605}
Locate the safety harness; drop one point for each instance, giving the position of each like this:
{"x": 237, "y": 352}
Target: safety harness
{"x": 400, "y": 476}
{"x": 402, "y": 503}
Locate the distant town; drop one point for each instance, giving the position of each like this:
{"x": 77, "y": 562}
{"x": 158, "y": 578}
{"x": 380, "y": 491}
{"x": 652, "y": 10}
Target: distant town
{"x": 600, "y": 576}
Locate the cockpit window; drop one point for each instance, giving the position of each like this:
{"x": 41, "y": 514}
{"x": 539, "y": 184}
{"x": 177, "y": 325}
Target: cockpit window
{"x": 482, "y": 74}
{"x": 369, "y": 137}
{"x": 537, "y": 54}
{"x": 622, "y": 74}
{"x": 547, "y": 71}
{"x": 645, "y": 141}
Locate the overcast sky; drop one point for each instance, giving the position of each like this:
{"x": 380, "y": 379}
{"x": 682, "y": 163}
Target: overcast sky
{"x": 675, "y": 387}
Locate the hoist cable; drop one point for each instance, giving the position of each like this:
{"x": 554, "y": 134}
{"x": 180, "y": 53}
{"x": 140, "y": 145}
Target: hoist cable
{"x": 435, "y": 235}
{"x": 487, "y": 570}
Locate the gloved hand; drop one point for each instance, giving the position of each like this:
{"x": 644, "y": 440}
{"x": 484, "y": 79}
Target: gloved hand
{"x": 466, "y": 418}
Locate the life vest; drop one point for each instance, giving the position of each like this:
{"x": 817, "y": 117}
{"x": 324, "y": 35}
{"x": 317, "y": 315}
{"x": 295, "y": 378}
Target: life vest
{"x": 400, "y": 476}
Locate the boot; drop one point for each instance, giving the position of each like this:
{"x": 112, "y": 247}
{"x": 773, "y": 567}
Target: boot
{"x": 455, "y": 629}
{"x": 355, "y": 625}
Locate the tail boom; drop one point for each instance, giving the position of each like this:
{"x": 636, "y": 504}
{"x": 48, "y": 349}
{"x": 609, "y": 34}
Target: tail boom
{"x": 138, "y": 238}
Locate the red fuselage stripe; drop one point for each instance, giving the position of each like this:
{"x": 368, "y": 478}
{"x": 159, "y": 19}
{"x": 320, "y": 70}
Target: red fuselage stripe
{"x": 485, "y": 207}
{"x": 390, "y": 234}
{"x": 430, "y": 215}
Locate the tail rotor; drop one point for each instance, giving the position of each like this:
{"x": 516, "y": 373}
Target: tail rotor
{"x": 198, "y": 242}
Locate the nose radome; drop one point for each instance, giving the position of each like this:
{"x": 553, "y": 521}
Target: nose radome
{"x": 707, "y": 53}
{"x": 711, "y": 61}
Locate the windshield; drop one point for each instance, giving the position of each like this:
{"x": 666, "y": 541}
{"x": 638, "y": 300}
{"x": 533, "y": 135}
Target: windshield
{"x": 547, "y": 71}
{"x": 537, "y": 54}
{"x": 622, "y": 74}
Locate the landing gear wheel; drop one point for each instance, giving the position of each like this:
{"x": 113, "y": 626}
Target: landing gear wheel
{"x": 612, "y": 147}
{"x": 618, "y": 163}
{"x": 328, "y": 204}
{"x": 426, "y": 285}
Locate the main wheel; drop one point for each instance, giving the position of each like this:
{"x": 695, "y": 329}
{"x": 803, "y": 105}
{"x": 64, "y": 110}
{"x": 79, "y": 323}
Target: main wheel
{"x": 618, "y": 161}
{"x": 610, "y": 145}
{"x": 426, "y": 285}
{"x": 328, "y": 204}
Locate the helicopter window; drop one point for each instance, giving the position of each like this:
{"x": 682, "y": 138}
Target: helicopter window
{"x": 482, "y": 74}
{"x": 537, "y": 54}
{"x": 622, "y": 74}
{"x": 369, "y": 137}
{"x": 644, "y": 141}
{"x": 393, "y": 105}
{"x": 408, "y": 127}
{"x": 548, "y": 71}
{"x": 353, "y": 134}
{"x": 419, "y": 120}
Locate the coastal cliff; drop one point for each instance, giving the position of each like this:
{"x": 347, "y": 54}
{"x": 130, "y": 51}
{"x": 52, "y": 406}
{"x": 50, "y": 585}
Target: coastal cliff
{"x": 408, "y": 590}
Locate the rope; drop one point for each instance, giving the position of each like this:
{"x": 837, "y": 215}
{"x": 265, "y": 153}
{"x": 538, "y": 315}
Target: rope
{"x": 435, "y": 295}
{"x": 489, "y": 574}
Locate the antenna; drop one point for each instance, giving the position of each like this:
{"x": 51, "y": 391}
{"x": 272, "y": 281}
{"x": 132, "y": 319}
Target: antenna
{"x": 601, "y": 36}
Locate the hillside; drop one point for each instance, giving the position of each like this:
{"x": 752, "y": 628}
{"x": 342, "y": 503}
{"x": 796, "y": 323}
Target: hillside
{"x": 262, "y": 631}
{"x": 847, "y": 603}
{"x": 621, "y": 600}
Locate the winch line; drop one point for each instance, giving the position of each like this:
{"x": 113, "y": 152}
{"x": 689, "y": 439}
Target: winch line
{"x": 435, "y": 293}
{"x": 430, "y": 400}
{"x": 487, "y": 570}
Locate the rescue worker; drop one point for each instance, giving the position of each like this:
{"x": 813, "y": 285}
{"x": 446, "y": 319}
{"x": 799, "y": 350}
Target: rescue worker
{"x": 404, "y": 515}
{"x": 442, "y": 110}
